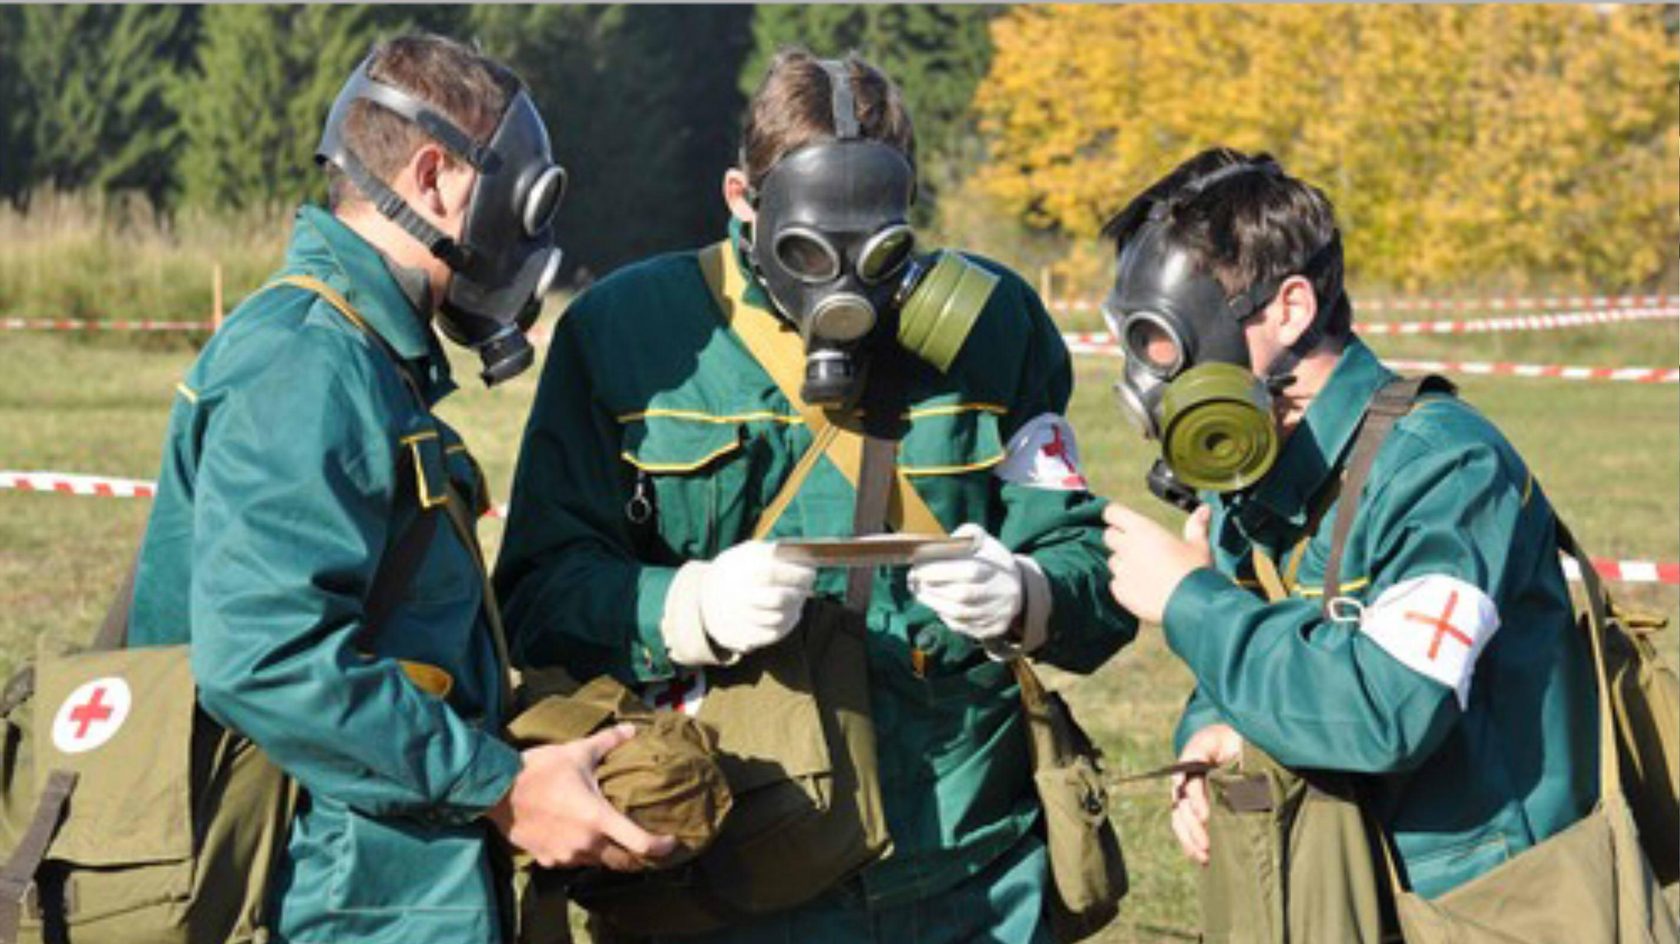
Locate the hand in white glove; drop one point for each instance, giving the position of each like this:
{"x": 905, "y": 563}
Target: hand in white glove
{"x": 750, "y": 599}
{"x": 978, "y": 596}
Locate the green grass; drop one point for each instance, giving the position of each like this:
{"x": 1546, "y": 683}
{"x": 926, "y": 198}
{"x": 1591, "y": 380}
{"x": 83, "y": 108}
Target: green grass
{"x": 1605, "y": 453}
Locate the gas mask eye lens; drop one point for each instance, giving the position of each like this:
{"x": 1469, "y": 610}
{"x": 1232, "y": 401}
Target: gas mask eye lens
{"x": 1153, "y": 343}
{"x": 542, "y": 199}
{"x": 885, "y": 253}
{"x": 807, "y": 256}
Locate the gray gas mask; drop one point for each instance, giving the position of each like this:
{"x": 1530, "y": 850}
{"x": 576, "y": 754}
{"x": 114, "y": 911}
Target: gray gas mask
{"x": 834, "y": 248}
{"x": 505, "y": 260}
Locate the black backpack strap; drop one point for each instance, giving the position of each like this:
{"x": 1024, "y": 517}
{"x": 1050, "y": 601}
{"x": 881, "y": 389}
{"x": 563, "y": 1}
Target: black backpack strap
{"x": 1387, "y": 405}
{"x": 17, "y": 877}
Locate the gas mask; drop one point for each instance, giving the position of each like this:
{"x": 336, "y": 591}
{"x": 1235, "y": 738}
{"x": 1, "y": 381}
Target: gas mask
{"x": 832, "y": 245}
{"x": 505, "y": 259}
{"x": 1188, "y": 381}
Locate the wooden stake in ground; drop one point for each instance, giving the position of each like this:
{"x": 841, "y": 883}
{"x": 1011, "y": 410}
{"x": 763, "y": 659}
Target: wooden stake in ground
{"x": 216, "y": 297}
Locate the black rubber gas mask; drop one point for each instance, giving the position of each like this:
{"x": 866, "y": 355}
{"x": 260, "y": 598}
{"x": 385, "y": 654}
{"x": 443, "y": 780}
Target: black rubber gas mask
{"x": 505, "y": 260}
{"x": 1188, "y": 381}
{"x": 833, "y": 246}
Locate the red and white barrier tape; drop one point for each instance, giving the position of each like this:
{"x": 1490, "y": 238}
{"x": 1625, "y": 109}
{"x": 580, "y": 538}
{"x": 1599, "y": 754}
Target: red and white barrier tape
{"x": 1665, "y": 375}
{"x": 1545, "y": 322}
{"x": 1536, "y": 304}
{"x": 1625, "y": 571}
{"x": 1086, "y": 344}
{"x": 1518, "y": 303}
{"x": 99, "y": 324}
{"x": 65, "y": 484}
{"x": 1542, "y": 322}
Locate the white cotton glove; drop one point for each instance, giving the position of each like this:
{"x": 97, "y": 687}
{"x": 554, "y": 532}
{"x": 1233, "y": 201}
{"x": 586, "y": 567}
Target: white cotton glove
{"x": 750, "y": 599}
{"x": 979, "y": 596}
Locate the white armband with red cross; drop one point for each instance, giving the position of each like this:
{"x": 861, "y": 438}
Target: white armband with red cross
{"x": 1435, "y": 625}
{"x": 1043, "y": 454}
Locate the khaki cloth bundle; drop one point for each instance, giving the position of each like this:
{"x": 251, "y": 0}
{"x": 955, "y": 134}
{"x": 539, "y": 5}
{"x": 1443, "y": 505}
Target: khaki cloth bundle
{"x": 665, "y": 779}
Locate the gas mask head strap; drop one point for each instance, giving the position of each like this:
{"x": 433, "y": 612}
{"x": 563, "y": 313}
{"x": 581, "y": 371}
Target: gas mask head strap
{"x": 846, "y": 126}
{"x": 333, "y": 148}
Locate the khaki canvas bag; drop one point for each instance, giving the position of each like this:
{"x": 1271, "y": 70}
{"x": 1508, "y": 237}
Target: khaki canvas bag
{"x": 1645, "y": 706}
{"x": 1589, "y": 884}
{"x": 128, "y": 815}
{"x": 1087, "y": 868}
{"x": 1294, "y": 858}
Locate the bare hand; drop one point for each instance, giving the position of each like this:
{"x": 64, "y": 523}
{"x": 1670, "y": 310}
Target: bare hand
{"x": 1147, "y": 562}
{"x": 1216, "y": 744}
{"x": 556, "y": 813}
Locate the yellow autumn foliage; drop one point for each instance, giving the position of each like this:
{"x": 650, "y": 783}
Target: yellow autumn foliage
{"x": 1461, "y": 144}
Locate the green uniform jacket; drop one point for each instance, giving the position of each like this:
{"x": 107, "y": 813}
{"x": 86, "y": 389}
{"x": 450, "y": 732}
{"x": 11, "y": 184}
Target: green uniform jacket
{"x": 646, "y": 392}
{"x": 1461, "y": 790}
{"x": 278, "y": 496}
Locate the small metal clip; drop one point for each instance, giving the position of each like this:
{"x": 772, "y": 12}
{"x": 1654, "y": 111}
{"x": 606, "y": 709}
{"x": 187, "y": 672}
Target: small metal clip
{"x": 1346, "y": 610}
{"x": 639, "y": 509}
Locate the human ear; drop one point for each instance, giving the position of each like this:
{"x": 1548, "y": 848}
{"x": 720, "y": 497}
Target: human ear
{"x": 1297, "y": 305}
{"x": 424, "y": 176}
{"x": 736, "y": 192}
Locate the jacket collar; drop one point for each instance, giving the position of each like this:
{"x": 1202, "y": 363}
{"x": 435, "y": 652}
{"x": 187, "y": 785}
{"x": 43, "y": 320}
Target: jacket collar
{"x": 324, "y": 247}
{"x": 755, "y": 293}
{"x": 1311, "y": 455}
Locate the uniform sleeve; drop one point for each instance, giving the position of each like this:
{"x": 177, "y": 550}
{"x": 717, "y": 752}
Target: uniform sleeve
{"x": 1199, "y": 712}
{"x": 292, "y": 498}
{"x": 1060, "y": 529}
{"x": 1313, "y": 693}
{"x": 573, "y": 591}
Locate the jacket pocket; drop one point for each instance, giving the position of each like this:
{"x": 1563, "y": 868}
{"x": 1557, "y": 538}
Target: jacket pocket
{"x": 948, "y": 454}
{"x": 396, "y": 865}
{"x": 692, "y": 465}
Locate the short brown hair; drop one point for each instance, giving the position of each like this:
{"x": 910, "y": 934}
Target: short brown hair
{"x": 793, "y": 107}
{"x": 467, "y": 87}
{"x": 1245, "y": 228}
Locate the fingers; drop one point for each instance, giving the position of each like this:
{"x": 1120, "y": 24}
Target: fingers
{"x": 783, "y": 573}
{"x": 1119, "y": 516}
{"x": 1196, "y": 526}
{"x": 1195, "y": 798}
{"x": 774, "y": 600}
{"x": 602, "y": 743}
{"x": 963, "y": 570}
{"x": 1191, "y": 834}
{"x": 633, "y": 839}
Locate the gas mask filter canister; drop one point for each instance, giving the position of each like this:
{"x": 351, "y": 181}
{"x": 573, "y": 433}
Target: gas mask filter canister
{"x": 1188, "y": 381}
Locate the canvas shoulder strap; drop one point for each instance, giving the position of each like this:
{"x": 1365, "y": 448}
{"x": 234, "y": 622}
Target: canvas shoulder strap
{"x": 399, "y": 566}
{"x": 778, "y": 349}
{"x": 1387, "y": 405}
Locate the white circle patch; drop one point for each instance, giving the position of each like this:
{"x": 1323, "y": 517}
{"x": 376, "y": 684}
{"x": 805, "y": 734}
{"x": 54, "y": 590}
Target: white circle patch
{"x": 92, "y": 715}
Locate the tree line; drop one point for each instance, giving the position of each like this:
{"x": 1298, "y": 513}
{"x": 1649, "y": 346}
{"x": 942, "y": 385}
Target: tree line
{"x": 220, "y": 106}
{"x": 1461, "y": 144}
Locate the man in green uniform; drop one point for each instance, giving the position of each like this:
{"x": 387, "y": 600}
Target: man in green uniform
{"x": 657, "y": 441}
{"x": 301, "y": 453}
{"x": 1447, "y": 674}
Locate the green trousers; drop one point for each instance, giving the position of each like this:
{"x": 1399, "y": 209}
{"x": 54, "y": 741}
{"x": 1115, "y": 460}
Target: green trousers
{"x": 1001, "y": 904}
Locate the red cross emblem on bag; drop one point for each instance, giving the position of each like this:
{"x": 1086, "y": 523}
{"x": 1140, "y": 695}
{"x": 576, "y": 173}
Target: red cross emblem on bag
{"x": 92, "y": 715}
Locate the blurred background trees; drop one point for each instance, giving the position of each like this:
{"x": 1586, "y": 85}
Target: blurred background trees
{"x": 1458, "y": 142}
{"x": 1463, "y": 145}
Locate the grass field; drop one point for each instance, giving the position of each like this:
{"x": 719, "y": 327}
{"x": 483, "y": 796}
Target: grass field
{"x": 1606, "y": 453}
